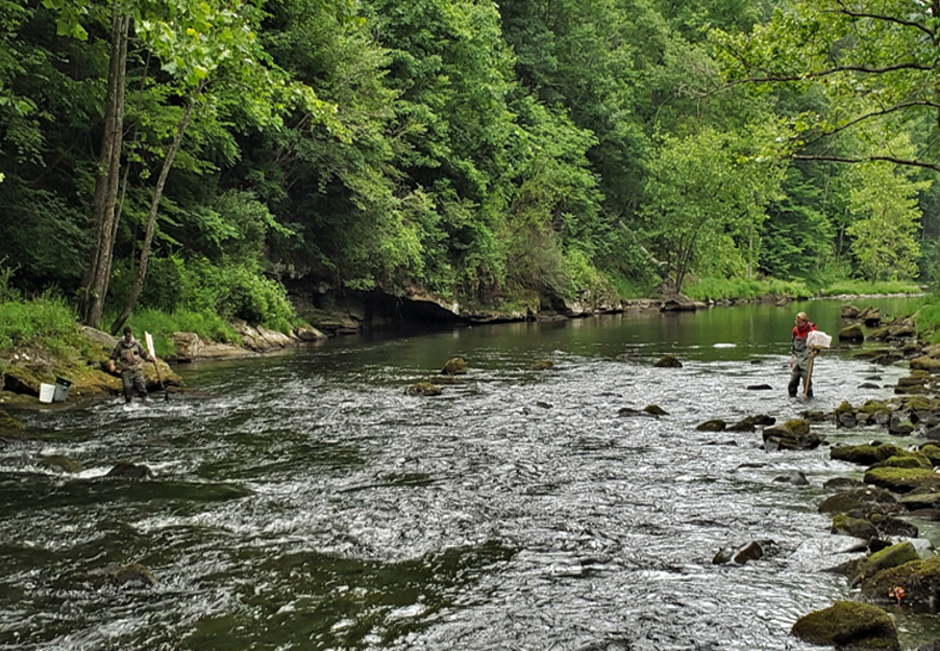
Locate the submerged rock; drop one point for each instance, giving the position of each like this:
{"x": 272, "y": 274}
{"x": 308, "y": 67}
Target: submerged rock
{"x": 128, "y": 470}
{"x": 135, "y": 573}
{"x": 423, "y": 389}
{"x": 668, "y": 361}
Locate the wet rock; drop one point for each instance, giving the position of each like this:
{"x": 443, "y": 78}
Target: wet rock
{"x": 759, "y": 387}
{"x": 668, "y": 361}
{"x": 842, "y": 483}
{"x": 866, "y": 454}
{"x": 543, "y": 365}
{"x": 135, "y": 573}
{"x": 870, "y": 316}
{"x": 890, "y": 526}
{"x": 60, "y": 462}
{"x": 750, "y": 552}
{"x": 715, "y": 425}
{"x": 846, "y": 525}
{"x": 919, "y": 579}
{"x": 444, "y": 380}
{"x": 454, "y": 366}
{"x": 846, "y": 420}
{"x": 859, "y": 498}
{"x": 902, "y": 480}
{"x": 423, "y": 389}
{"x": 925, "y": 363}
{"x": 308, "y": 333}
{"x": 628, "y": 412}
{"x": 749, "y": 423}
{"x": 848, "y": 625}
{"x": 128, "y": 470}
{"x": 889, "y": 557}
{"x": 852, "y": 334}
{"x": 868, "y": 385}
{"x": 655, "y": 410}
{"x": 849, "y": 311}
{"x": 898, "y": 427}
{"x": 920, "y": 500}
{"x": 794, "y": 477}
{"x": 543, "y": 405}
{"x": 792, "y": 435}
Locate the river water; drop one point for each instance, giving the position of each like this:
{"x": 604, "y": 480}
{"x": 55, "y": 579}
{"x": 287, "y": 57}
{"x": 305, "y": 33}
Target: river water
{"x": 304, "y": 501}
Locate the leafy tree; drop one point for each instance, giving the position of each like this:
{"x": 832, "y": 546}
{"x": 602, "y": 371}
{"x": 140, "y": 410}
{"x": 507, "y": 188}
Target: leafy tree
{"x": 704, "y": 192}
{"x": 884, "y": 203}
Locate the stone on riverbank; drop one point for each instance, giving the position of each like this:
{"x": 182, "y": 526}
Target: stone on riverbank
{"x": 135, "y": 573}
{"x": 902, "y": 480}
{"x": 852, "y": 334}
{"x": 861, "y": 498}
{"x": 920, "y": 580}
{"x": 848, "y": 625}
{"x": 792, "y": 435}
{"x": 714, "y": 425}
{"x": 889, "y": 557}
{"x": 865, "y": 454}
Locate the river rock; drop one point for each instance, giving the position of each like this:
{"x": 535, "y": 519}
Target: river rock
{"x": 794, "y": 477}
{"x": 925, "y": 363}
{"x": 792, "y": 435}
{"x": 454, "y": 366}
{"x": 189, "y": 347}
{"x": 60, "y": 462}
{"x": 668, "y": 361}
{"x": 859, "y": 498}
{"x": 846, "y": 525}
{"x": 849, "y": 311}
{"x": 889, "y": 557}
{"x": 715, "y": 425}
{"x": 848, "y": 625}
{"x": 423, "y": 389}
{"x": 128, "y": 470}
{"x": 852, "y": 334}
{"x": 866, "y": 454}
{"x": 919, "y": 579}
{"x": 759, "y": 387}
{"x": 134, "y": 573}
{"x": 902, "y": 480}
{"x": 544, "y": 365}
{"x": 308, "y": 333}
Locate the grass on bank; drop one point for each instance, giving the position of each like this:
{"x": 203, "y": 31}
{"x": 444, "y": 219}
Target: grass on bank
{"x": 857, "y": 287}
{"x": 719, "y": 289}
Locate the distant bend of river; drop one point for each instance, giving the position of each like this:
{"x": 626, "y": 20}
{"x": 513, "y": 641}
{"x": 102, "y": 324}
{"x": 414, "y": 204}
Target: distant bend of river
{"x": 304, "y": 501}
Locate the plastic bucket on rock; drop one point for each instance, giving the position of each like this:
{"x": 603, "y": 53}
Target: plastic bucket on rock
{"x": 61, "y": 389}
{"x": 46, "y": 392}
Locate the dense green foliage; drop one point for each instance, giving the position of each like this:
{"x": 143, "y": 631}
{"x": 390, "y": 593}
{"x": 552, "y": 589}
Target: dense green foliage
{"x": 498, "y": 155}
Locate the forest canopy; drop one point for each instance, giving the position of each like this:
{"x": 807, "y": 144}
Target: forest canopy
{"x": 173, "y": 155}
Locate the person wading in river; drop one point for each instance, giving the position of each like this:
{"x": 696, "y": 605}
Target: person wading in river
{"x": 800, "y": 356}
{"x": 130, "y": 356}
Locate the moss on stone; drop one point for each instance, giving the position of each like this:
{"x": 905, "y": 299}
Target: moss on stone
{"x": 848, "y": 624}
{"x": 902, "y": 480}
{"x": 889, "y": 557}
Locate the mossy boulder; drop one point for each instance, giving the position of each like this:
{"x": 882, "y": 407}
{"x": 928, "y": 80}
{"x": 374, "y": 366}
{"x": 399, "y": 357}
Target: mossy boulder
{"x": 905, "y": 459}
{"x": 866, "y": 454}
{"x": 925, "y": 363}
{"x": 848, "y": 625}
{"x": 902, "y": 480}
{"x": 860, "y": 498}
{"x": 454, "y": 366}
{"x": 792, "y": 435}
{"x": 852, "y": 334}
{"x": 889, "y": 557}
{"x": 920, "y": 580}
{"x": 423, "y": 389}
{"x": 932, "y": 452}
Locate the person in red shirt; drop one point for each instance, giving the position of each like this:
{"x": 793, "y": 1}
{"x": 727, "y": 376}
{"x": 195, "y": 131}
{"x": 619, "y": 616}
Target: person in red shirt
{"x": 800, "y": 355}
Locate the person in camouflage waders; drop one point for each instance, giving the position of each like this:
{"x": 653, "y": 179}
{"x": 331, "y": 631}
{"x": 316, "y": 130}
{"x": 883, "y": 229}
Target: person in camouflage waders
{"x": 130, "y": 357}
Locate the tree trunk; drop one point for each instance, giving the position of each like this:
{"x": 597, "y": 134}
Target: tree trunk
{"x": 98, "y": 274}
{"x": 152, "y": 216}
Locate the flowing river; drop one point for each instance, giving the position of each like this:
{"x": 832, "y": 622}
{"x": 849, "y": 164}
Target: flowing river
{"x": 304, "y": 501}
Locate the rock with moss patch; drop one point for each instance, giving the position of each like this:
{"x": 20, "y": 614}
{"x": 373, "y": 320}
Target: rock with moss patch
{"x": 889, "y": 557}
{"x": 920, "y": 580}
{"x": 792, "y": 435}
{"x": 714, "y": 425}
{"x": 848, "y": 625}
{"x": 860, "y": 498}
{"x": 902, "y": 480}
{"x": 454, "y": 366}
{"x": 9, "y": 426}
{"x": 852, "y": 334}
{"x": 866, "y": 454}
{"x": 423, "y": 389}
{"x": 846, "y": 525}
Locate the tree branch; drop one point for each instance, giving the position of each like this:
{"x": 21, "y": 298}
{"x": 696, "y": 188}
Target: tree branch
{"x": 888, "y": 19}
{"x": 867, "y": 159}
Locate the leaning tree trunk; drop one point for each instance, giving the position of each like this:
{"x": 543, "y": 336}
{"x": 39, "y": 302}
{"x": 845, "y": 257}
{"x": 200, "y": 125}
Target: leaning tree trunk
{"x": 98, "y": 273}
{"x": 152, "y": 217}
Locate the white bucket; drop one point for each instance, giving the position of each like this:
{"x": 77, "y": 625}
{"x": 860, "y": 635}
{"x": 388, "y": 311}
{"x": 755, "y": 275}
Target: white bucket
{"x": 46, "y": 392}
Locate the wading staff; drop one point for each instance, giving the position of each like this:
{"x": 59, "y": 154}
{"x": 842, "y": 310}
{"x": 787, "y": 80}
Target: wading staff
{"x": 153, "y": 356}
{"x": 809, "y": 373}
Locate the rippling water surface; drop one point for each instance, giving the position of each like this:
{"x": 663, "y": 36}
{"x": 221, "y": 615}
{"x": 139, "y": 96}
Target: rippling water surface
{"x": 304, "y": 501}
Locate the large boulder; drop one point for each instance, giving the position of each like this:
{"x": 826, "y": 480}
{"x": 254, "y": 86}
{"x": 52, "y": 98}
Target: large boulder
{"x": 852, "y": 334}
{"x": 858, "y": 499}
{"x": 902, "y": 480}
{"x": 920, "y": 581}
{"x": 848, "y": 625}
{"x": 889, "y": 557}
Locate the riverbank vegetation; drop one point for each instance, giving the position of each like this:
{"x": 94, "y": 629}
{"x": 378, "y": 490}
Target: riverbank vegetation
{"x": 178, "y": 164}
